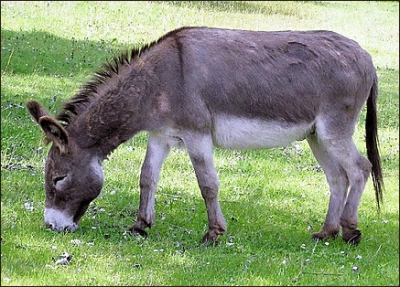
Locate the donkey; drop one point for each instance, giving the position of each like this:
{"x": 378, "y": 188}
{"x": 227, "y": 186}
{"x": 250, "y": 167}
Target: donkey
{"x": 201, "y": 87}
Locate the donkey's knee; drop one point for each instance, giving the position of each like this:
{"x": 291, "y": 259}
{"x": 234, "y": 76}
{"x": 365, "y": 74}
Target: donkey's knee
{"x": 365, "y": 167}
{"x": 209, "y": 190}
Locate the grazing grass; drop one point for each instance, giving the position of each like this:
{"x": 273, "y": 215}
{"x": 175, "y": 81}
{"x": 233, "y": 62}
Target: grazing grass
{"x": 272, "y": 199}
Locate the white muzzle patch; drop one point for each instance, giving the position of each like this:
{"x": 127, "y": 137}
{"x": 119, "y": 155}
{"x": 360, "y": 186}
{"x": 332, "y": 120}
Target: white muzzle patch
{"x": 58, "y": 220}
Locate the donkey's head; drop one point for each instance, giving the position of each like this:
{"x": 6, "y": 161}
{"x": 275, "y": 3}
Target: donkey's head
{"x": 73, "y": 175}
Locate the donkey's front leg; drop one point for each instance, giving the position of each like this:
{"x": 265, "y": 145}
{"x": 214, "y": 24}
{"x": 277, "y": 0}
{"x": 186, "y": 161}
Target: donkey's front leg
{"x": 200, "y": 148}
{"x": 158, "y": 148}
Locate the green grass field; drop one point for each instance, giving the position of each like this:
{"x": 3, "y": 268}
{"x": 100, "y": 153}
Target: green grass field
{"x": 272, "y": 199}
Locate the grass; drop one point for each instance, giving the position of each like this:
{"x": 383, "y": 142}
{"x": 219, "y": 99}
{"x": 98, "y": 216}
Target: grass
{"x": 272, "y": 199}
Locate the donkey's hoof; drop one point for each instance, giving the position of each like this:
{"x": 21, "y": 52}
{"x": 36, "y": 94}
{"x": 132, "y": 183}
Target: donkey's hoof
{"x": 353, "y": 237}
{"x": 138, "y": 232}
{"x": 318, "y": 237}
{"x": 209, "y": 238}
{"x": 323, "y": 235}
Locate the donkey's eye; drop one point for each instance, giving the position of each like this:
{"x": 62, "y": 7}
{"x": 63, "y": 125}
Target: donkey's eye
{"x": 58, "y": 178}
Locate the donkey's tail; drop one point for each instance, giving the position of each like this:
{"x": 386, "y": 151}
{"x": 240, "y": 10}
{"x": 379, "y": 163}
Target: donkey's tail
{"x": 372, "y": 142}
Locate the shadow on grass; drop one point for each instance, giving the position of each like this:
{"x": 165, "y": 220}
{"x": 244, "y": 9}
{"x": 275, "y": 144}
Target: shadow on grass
{"x": 58, "y": 61}
{"x": 45, "y": 54}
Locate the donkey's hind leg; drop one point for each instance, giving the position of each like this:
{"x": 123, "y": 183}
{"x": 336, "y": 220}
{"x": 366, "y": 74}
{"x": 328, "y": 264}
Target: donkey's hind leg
{"x": 338, "y": 185}
{"x": 343, "y": 152}
{"x": 358, "y": 169}
{"x": 200, "y": 149}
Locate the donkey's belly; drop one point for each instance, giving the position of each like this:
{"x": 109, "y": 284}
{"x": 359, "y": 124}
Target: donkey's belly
{"x": 242, "y": 133}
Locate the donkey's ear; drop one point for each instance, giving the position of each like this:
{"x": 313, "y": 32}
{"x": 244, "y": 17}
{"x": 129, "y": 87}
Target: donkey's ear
{"x": 54, "y": 132}
{"x": 36, "y": 110}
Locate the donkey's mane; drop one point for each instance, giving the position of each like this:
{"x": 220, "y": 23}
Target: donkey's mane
{"x": 89, "y": 91}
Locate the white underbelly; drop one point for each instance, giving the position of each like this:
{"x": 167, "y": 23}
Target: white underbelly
{"x": 242, "y": 133}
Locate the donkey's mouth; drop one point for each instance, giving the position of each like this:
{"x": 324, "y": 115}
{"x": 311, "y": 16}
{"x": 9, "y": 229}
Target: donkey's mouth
{"x": 69, "y": 228}
{"x": 58, "y": 220}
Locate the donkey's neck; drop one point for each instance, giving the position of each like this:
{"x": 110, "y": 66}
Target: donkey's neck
{"x": 116, "y": 114}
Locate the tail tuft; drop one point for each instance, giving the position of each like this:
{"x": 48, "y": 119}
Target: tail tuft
{"x": 372, "y": 143}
